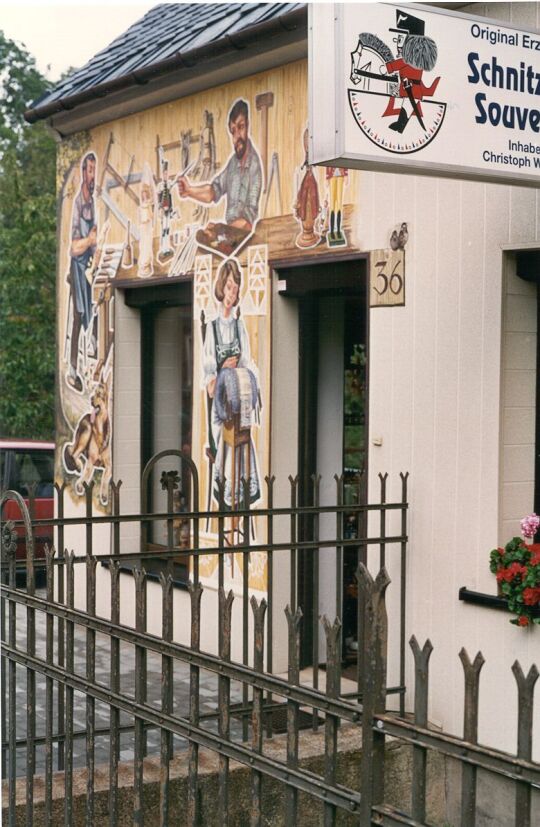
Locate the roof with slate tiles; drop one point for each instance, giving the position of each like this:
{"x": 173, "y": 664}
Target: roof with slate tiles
{"x": 169, "y": 36}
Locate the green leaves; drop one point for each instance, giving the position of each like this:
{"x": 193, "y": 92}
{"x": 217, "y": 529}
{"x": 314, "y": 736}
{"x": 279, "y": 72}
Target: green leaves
{"x": 27, "y": 252}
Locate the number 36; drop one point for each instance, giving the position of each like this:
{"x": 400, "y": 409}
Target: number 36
{"x": 393, "y": 282}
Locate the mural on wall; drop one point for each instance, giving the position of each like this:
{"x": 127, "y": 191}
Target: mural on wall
{"x": 85, "y": 426}
{"x": 239, "y": 185}
{"x": 336, "y": 179}
{"x": 193, "y": 190}
{"x": 307, "y": 206}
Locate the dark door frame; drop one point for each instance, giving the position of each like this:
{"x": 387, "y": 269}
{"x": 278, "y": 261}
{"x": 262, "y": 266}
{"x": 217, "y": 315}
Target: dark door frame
{"x": 307, "y": 282}
{"x": 148, "y": 300}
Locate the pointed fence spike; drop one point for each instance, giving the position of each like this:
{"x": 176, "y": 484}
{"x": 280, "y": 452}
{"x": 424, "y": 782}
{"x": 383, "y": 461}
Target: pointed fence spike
{"x": 91, "y": 562}
{"x": 50, "y": 551}
{"x": 195, "y": 589}
{"x": 258, "y": 607}
{"x": 293, "y": 617}
{"x": 426, "y": 650}
{"x": 475, "y": 665}
{"x": 519, "y": 674}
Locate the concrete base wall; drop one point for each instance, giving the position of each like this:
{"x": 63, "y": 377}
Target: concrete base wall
{"x": 397, "y": 783}
{"x": 495, "y": 799}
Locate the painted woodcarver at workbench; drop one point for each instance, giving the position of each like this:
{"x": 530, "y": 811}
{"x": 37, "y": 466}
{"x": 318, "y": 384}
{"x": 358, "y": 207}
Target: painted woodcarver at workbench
{"x": 209, "y": 188}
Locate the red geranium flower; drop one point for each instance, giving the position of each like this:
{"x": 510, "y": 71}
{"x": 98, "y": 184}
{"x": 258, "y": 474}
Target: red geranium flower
{"x": 531, "y": 596}
{"x": 517, "y": 570}
{"x": 535, "y": 554}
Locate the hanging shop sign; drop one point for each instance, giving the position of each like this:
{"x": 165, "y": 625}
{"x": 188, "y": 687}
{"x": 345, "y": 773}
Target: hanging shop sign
{"x": 400, "y": 88}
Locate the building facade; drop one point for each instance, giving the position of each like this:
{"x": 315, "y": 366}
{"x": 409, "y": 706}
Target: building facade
{"x": 344, "y": 321}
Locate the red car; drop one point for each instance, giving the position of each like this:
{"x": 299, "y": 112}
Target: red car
{"x": 24, "y": 462}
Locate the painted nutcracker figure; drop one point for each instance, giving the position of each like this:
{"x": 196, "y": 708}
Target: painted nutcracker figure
{"x": 307, "y": 206}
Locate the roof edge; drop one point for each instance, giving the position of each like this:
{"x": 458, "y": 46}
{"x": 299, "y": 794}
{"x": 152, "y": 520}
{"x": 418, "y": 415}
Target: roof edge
{"x": 228, "y": 44}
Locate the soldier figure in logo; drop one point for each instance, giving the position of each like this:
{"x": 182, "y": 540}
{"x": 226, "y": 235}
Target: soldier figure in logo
{"x": 416, "y": 53}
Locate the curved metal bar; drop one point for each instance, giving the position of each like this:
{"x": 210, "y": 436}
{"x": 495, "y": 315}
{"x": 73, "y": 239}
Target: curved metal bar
{"x": 14, "y": 495}
{"x": 149, "y": 467}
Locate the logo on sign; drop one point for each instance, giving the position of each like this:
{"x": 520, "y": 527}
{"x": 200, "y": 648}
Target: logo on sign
{"x": 392, "y": 101}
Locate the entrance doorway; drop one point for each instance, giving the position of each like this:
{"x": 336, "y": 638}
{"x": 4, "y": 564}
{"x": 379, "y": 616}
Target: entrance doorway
{"x": 166, "y": 410}
{"x": 333, "y": 406}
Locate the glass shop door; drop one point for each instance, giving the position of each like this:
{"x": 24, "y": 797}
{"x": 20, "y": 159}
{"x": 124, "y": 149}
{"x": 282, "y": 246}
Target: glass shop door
{"x": 333, "y": 408}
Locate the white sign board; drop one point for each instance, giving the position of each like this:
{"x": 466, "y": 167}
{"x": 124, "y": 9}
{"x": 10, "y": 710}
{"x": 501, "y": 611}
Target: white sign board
{"x": 408, "y": 88}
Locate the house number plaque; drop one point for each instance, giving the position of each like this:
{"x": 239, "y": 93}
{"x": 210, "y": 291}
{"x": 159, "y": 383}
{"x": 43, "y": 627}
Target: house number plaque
{"x": 387, "y": 278}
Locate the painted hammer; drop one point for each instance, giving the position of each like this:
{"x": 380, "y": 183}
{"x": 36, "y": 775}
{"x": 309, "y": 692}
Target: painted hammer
{"x": 263, "y": 102}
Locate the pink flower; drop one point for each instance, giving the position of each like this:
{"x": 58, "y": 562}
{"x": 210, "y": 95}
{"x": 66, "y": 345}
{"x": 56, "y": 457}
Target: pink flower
{"x": 529, "y": 525}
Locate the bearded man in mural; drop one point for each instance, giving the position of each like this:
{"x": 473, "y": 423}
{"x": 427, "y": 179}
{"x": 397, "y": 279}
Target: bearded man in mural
{"x": 82, "y": 255}
{"x": 240, "y": 182}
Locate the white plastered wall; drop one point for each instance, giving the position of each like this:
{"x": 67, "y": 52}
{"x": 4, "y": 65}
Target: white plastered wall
{"x": 283, "y": 451}
{"x": 435, "y": 399}
{"x": 518, "y": 400}
{"x": 127, "y": 407}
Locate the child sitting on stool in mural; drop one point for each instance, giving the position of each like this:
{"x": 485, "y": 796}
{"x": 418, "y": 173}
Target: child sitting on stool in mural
{"x": 232, "y": 384}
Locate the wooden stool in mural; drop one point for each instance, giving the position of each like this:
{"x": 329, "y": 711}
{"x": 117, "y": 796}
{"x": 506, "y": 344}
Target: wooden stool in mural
{"x": 239, "y": 441}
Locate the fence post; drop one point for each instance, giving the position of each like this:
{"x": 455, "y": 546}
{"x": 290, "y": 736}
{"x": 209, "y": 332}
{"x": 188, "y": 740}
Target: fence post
{"x": 8, "y": 542}
{"x": 270, "y": 591}
{"x": 375, "y": 651}
{"x": 60, "y": 586}
{"x": 114, "y": 680}
{"x": 333, "y": 688}
{"x": 224, "y": 698}
{"x": 524, "y": 743}
{"x": 49, "y": 556}
{"x": 195, "y": 592}
{"x": 91, "y": 563}
{"x": 403, "y": 591}
{"x": 139, "y": 576}
{"x": 259, "y": 611}
{"x": 421, "y": 673}
{"x": 167, "y": 672}
{"x": 470, "y": 734}
{"x": 291, "y": 793}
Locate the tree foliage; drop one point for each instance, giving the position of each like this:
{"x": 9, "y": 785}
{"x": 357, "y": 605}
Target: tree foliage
{"x": 27, "y": 252}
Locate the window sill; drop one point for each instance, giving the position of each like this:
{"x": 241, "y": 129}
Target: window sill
{"x": 491, "y": 601}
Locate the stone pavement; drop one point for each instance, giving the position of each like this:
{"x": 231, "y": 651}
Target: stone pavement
{"x": 208, "y": 697}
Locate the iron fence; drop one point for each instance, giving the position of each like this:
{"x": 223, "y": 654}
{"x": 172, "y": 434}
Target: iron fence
{"x": 377, "y": 725}
{"x": 92, "y": 695}
{"x": 192, "y": 698}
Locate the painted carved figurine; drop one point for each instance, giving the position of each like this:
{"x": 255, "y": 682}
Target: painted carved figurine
{"x": 165, "y": 205}
{"x": 336, "y": 177}
{"x": 147, "y": 210}
{"x": 307, "y": 206}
